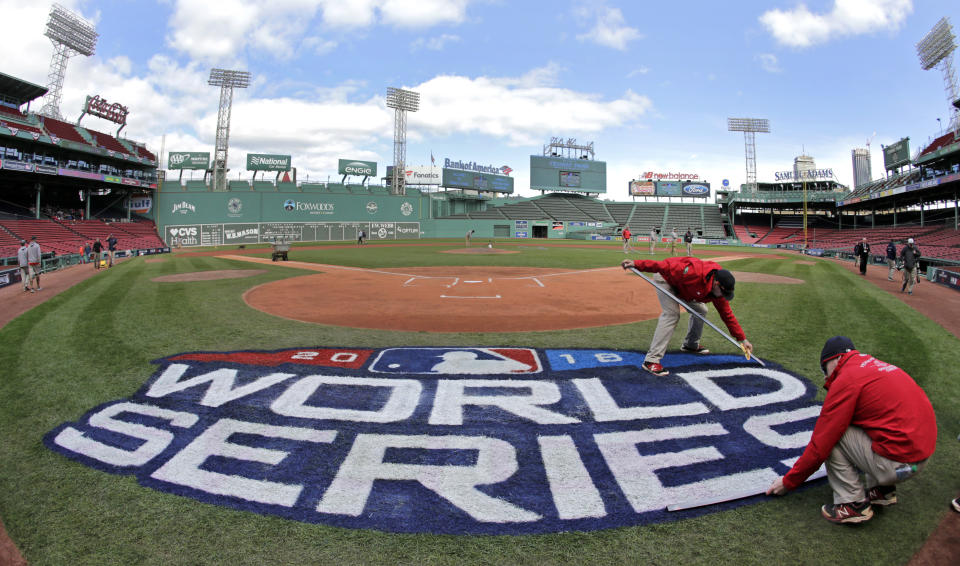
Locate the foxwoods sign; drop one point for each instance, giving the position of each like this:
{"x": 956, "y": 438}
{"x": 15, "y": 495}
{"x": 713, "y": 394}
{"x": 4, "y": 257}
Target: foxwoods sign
{"x": 452, "y": 440}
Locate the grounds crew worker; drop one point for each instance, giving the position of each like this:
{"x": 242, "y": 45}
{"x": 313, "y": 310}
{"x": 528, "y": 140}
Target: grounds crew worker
{"x": 695, "y": 282}
{"x": 875, "y": 420}
{"x": 688, "y": 239}
{"x": 626, "y": 238}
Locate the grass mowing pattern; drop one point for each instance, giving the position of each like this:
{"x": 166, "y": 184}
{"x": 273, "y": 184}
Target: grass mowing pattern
{"x": 94, "y": 344}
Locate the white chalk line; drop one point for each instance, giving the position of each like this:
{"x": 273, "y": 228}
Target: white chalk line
{"x": 411, "y": 276}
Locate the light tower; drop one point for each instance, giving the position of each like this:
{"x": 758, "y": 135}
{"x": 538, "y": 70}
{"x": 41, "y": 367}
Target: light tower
{"x": 227, "y": 81}
{"x": 402, "y": 101}
{"x": 71, "y": 35}
{"x": 936, "y": 50}
{"x": 750, "y": 127}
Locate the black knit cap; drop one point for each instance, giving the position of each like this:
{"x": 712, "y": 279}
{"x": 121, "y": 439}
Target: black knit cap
{"x": 833, "y": 348}
{"x": 727, "y": 282}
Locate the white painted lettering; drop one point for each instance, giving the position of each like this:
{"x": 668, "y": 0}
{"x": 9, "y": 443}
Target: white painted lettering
{"x": 703, "y": 381}
{"x": 452, "y": 397}
{"x": 221, "y": 384}
{"x": 496, "y": 461}
{"x": 404, "y": 396}
{"x": 185, "y": 467}
{"x": 574, "y": 493}
{"x": 605, "y": 408}
{"x": 155, "y": 439}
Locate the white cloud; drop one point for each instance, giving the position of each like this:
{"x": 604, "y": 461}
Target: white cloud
{"x": 221, "y": 32}
{"x": 637, "y": 72}
{"x": 398, "y": 13}
{"x": 609, "y": 29}
{"x": 768, "y": 62}
{"x": 802, "y": 28}
{"x": 519, "y": 112}
{"x": 422, "y": 13}
{"x": 433, "y": 43}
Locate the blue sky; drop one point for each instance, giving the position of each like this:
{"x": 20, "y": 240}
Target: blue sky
{"x": 650, "y": 83}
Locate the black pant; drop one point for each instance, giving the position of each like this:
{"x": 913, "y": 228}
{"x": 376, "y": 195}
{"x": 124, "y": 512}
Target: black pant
{"x": 863, "y": 263}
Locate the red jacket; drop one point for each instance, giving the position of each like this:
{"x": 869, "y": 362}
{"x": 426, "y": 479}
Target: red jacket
{"x": 692, "y": 279}
{"x": 879, "y": 398}
{"x": 626, "y": 234}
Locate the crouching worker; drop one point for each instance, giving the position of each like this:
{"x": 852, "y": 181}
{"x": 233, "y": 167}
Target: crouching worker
{"x": 876, "y": 421}
{"x": 695, "y": 282}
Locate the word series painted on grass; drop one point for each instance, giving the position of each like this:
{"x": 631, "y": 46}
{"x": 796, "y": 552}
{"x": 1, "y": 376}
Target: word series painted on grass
{"x": 452, "y": 440}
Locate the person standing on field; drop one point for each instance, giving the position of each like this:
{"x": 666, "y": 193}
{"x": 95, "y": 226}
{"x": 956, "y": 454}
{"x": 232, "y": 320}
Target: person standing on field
{"x": 910, "y": 254}
{"x": 862, "y": 251}
{"x": 653, "y": 238}
{"x": 875, "y": 421}
{"x": 469, "y": 235}
{"x": 24, "y": 264}
{"x": 673, "y": 241}
{"x": 696, "y": 282}
{"x": 688, "y": 240}
{"x": 97, "y": 253}
{"x": 111, "y": 249}
{"x": 626, "y": 238}
{"x": 33, "y": 259}
{"x": 891, "y": 259}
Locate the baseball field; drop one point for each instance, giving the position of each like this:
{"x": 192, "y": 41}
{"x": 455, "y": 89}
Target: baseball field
{"x": 215, "y": 407}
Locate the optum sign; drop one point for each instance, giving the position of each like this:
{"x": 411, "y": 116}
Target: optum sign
{"x": 354, "y": 167}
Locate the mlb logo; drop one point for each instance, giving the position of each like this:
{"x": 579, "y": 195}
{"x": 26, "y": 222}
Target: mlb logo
{"x": 458, "y": 361}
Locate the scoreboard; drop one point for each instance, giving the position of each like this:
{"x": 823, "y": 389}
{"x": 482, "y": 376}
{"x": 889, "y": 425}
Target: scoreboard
{"x": 565, "y": 174}
{"x": 462, "y": 179}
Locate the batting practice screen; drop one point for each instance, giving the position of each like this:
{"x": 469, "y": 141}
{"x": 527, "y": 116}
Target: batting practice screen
{"x": 563, "y": 174}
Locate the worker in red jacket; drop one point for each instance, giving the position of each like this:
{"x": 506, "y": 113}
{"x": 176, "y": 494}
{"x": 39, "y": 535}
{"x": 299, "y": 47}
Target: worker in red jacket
{"x": 626, "y": 239}
{"x": 696, "y": 282}
{"x": 875, "y": 420}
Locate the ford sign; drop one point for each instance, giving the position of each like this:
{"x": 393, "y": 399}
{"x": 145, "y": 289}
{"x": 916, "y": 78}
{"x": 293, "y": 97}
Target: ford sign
{"x": 696, "y": 190}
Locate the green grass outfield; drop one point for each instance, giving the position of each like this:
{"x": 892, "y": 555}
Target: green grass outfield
{"x": 93, "y": 344}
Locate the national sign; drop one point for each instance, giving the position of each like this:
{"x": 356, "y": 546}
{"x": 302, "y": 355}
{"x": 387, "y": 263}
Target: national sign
{"x": 452, "y": 439}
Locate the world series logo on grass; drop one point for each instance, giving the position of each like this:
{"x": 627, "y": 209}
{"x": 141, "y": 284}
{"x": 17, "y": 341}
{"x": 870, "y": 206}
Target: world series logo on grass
{"x": 452, "y": 439}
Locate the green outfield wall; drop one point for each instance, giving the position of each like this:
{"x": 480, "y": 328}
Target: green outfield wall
{"x": 204, "y": 218}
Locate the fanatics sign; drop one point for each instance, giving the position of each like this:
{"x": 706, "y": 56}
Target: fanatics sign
{"x": 452, "y": 440}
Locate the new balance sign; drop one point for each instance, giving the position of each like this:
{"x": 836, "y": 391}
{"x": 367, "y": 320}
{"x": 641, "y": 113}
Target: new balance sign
{"x": 451, "y": 440}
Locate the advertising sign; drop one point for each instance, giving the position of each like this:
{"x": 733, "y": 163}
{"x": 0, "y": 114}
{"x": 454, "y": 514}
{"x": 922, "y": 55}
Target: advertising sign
{"x": 811, "y": 175}
{"x": 421, "y": 175}
{"x": 565, "y": 174}
{"x": 697, "y": 190}
{"x": 188, "y": 160}
{"x": 896, "y": 154}
{"x": 241, "y": 233}
{"x": 669, "y": 188}
{"x": 355, "y": 167}
{"x": 266, "y": 162}
{"x": 141, "y": 204}
{"x": 463, "y": 179}
{"x": 642, "y": 188}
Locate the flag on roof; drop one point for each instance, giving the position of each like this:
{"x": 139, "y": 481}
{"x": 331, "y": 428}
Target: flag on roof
{"x": 432, "y": 161}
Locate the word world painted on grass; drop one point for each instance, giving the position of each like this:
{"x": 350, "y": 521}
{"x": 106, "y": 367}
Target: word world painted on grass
{"x": 452, "y": 440}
